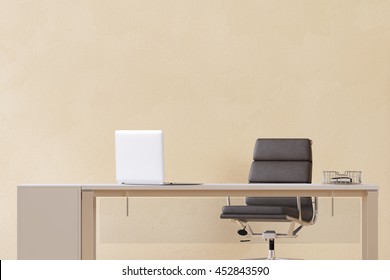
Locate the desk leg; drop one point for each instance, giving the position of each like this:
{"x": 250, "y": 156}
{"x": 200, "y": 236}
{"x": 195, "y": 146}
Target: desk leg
{"x": 370, "y": 226}
{"x": 88, "y": 225}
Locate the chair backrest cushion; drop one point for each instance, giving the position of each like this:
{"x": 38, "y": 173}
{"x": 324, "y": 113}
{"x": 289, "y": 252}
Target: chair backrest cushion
{"x": 280, "y": 172}
{"x": 281, "y": 160}
{"x": 280, "y": 149}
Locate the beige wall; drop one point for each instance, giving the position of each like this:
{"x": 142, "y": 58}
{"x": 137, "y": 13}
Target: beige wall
{"x": 214, "y": 75}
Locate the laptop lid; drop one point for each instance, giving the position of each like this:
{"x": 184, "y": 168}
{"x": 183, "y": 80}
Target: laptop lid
{"x": 139, "y": 156}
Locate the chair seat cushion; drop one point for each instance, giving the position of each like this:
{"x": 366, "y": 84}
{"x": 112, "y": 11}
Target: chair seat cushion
{"x": 265, "y": 213}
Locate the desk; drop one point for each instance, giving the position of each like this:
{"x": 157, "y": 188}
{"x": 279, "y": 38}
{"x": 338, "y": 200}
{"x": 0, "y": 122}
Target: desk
{"x": 59, "y": 221}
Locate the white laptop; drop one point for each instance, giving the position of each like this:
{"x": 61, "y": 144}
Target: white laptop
{"x": 139, "y": 156}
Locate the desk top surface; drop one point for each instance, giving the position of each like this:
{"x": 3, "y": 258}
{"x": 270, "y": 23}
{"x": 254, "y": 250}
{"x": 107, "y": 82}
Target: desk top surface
{"x": 213, "y": 186}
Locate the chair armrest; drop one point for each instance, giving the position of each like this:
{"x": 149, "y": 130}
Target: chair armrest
{"x": 228, "y": 200}
{"x": 315, "y": 210}
{"x": 299, "y": 208}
